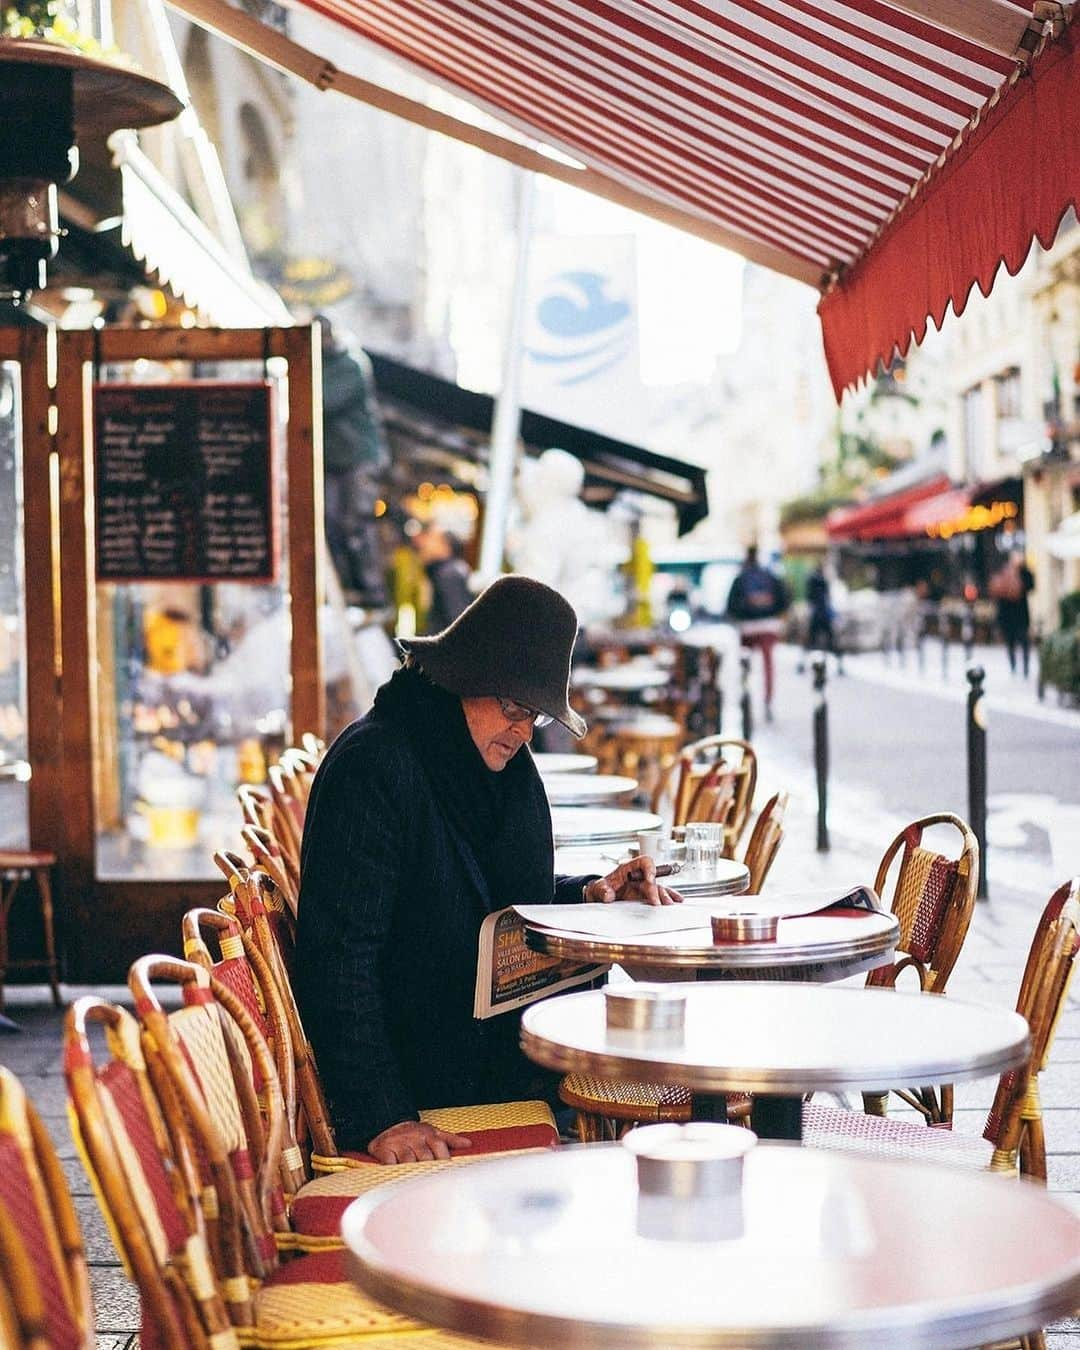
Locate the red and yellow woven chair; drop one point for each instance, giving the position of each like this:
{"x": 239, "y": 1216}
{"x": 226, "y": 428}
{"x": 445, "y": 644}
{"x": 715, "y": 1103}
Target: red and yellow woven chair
{"x": 933, "y": 900}
{"x": 1012, "y": 1141}
{"x": 309, "y": 1301}
{"x": 145, "y": 1183}
{"x": 145, "y": 1176}
{"x": 46, "y": 1303}
{"x": 242, "y": 969}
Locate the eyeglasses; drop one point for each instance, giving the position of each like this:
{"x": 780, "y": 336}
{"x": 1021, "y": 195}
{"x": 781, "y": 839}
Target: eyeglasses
{"x": 517, "y": 712}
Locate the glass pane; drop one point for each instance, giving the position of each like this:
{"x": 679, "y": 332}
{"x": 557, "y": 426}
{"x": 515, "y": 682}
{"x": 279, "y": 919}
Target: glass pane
{"x": 14, "y": 763}
{"x": 192, "y": 694}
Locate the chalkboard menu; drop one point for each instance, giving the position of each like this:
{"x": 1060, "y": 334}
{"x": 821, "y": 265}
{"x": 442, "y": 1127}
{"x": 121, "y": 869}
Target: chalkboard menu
{"x": 184, "y": 482}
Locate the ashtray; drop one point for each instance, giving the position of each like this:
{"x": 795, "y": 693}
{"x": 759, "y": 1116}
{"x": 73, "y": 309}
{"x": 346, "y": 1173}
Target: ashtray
{"x": 744, "y": 927}
{"x": 645, "y": 1008}
{"x": 690, "y": 1161}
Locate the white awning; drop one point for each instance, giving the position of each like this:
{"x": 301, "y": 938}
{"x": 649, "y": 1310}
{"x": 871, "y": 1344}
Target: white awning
{"x": 166, "y": 235}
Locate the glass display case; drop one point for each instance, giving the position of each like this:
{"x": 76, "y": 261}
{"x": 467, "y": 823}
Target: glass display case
{"x": 193, "y": 688}
{"x": 14, "y": 756}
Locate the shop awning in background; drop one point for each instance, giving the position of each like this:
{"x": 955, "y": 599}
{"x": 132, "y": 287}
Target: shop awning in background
{"x": 433, "y": 411}
{"x": 887, "y": 517}
{"x": 890, "y": 153}
{"x": 173, "y": 244}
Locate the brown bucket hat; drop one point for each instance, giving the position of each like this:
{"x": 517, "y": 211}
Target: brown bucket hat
{"x": 514, "y": 641}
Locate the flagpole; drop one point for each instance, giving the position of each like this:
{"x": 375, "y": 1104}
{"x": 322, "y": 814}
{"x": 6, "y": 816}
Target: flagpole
{"x": 506, "y": 424}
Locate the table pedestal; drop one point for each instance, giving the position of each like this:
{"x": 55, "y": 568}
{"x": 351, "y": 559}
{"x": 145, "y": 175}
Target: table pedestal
{"x": 770, "y": 1117}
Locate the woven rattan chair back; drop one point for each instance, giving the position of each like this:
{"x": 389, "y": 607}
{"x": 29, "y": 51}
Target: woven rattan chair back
{"x": 256, "y": 805}
{"x": 203, "y": 1049}
{"x": 765, "y": 840}
{"x": 147, "y": 1186}
{"x": 1015, "y": 1124}
{"x": 933, "y": 899}
{"x": 266, "y": 933}
{"x": 242, "y": 969}
{"x": 701, "y": 766}
{"x": 42, "y": 1260}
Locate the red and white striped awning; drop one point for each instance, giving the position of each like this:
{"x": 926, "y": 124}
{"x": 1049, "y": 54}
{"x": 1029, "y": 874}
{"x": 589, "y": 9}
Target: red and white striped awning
{"x": 792, "y": 131}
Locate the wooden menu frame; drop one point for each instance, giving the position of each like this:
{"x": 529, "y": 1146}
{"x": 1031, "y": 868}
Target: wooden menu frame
{"x": 106, "y": 924}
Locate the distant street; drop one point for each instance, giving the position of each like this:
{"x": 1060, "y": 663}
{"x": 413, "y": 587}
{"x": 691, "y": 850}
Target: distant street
{"x": 900, "y": 752}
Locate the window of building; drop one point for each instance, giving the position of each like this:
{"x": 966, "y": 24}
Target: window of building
{"x": 974, "y": 433}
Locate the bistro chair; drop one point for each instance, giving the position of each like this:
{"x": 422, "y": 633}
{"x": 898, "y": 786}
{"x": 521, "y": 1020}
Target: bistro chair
{"x": 241, "y": 968}
{"x": 713, "y": 779}
{"x": 1012, "y": 1141}
{"x": 607, "y": 1107}
{"x": 933, "y": 900}
{"x": 144, "y": 1181}
{"x": 765, "y": 840}
{"x": 46, "y": 1302}
{"x": 308, "y": 1301}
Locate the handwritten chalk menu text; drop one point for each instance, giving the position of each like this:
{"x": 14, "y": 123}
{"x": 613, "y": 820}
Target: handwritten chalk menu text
{"x": 183, "y": 482}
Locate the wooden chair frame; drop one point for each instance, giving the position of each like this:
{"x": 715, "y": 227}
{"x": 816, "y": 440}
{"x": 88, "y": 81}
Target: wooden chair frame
{"x": 689, "y": 778}
{"x": 50, "y": 1198}
{"x": 765, "y": 840}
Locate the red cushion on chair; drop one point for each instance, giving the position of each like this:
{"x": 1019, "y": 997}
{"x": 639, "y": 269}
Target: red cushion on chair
{"x": 317, "y": 1268}
{"x": 319, "y": 1216}
{"x": 507, "y": 1139}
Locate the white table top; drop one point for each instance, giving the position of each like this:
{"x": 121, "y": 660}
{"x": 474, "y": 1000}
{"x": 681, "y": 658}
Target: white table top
{"x": 810, "y": 947}
{"x": 548, "y": 763}
{"x": 588, "y": 789}
{"x": 599, "y": 824}
{"x": 783, "y": 1039}
{"x": 824, "y": 1249}
{"x": 626, "y": 679}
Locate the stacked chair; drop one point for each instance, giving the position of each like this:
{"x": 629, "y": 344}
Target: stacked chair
{"x": 713, "y": 780}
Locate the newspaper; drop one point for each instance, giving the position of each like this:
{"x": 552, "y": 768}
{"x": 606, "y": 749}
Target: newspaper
{"x": 632, "y": 918}
{"x": 509, "y": 975}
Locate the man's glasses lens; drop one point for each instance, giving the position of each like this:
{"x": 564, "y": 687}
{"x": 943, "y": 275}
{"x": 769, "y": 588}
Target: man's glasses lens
{"x": 516, "y": 712}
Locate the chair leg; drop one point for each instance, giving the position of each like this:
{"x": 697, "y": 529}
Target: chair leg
{"x": 44, "y": 885}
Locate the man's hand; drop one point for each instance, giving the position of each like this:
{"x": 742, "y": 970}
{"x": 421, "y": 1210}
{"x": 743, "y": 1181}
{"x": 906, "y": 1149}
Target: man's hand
{"x": 414, "y": 1141}
{"x": 633, "y": 880}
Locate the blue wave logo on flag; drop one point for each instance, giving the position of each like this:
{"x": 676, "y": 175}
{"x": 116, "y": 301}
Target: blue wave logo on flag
{"x": 585, "y": 331}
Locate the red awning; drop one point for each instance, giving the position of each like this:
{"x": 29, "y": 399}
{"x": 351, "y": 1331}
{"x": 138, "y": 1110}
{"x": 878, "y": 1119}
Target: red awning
{"x": 889, "y": 517}
{"x": 789, "y": 130}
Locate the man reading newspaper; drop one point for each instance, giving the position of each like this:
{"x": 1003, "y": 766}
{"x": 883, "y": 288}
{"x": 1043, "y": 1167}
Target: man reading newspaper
{"x": 426, "y": 815}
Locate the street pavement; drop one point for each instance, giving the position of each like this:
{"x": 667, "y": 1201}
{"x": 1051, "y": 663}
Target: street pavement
{"x": 897, "y": 750}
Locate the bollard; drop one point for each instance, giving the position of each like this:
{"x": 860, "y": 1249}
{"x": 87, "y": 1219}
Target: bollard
{"x": 944, "y": 652}
{"x": 821, "y": 754}
{"x": 744, "y": 698}
{"x": 976, "y": 768}
{"x": 1036, "y": 648}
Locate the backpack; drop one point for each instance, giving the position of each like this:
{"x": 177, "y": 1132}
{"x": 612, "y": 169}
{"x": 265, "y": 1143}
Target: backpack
{"x": 1007, "y": 585}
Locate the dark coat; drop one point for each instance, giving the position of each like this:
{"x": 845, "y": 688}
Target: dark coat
{"x": 391, "y": 904}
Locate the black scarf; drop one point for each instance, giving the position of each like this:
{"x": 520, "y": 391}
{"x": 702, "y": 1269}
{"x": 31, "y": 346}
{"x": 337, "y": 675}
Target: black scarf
{"x": 503, "y": 818}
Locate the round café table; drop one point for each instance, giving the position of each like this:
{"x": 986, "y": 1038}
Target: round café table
{"x": 628, "y": 679}
{"x": 781, "y": 1040}
{"x": 548, "y": 762}
{"x": 599, "y": 824}
{"x": 808, "y": 947}
{"x": 816, "y": 1250}
{"x": 589, "y": 789}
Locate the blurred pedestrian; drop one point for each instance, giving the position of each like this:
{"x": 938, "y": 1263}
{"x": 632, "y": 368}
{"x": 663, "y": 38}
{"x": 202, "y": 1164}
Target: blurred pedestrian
{"x": 757, "y": 602}
{"x": 1010, "y": 586}
{"x": 354, "y": 453}
{"x": 440, "y": 552}
{"x": 820, "y": 635}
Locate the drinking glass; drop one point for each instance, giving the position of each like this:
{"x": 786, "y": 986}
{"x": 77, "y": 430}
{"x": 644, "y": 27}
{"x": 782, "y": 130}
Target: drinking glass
{"x": 704, "y": 845}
